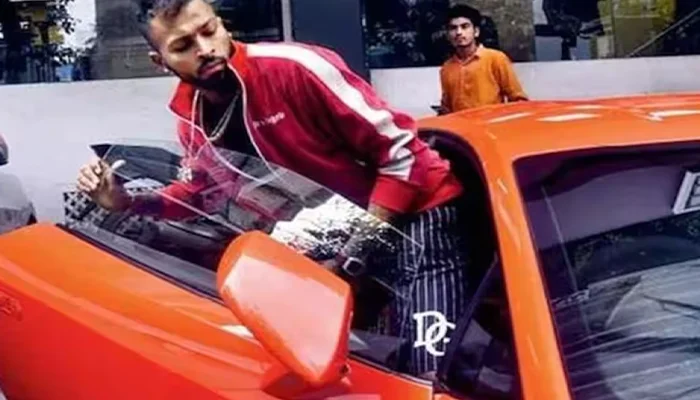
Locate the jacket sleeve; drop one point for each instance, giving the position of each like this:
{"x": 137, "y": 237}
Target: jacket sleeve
{"x": 166, "y": 203}
{"x": 366, "y": 126}
{"x": 173, "y": 202}
{"x": 445, "y": 101}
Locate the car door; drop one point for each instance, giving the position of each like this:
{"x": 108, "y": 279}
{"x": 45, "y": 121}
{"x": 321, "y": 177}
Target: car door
{"x": 120, "y": 303}
{"x": 109, "y": 305}
{"x": 81, "y": 323}
{"x": 78, "y": 322}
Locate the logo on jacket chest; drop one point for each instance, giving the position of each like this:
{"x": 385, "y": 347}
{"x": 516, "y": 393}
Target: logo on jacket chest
{"x": 269, "y": 121}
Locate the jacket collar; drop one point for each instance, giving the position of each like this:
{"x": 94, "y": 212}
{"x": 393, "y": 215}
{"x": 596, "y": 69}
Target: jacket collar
{"x": 181, "y": 102}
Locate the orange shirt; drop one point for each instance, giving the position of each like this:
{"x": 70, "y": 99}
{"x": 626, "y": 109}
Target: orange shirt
{"x": 487, "y": 77}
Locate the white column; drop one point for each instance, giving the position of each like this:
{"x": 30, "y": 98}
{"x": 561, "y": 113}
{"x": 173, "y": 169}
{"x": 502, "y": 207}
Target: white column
{"x": 287, "y": 32}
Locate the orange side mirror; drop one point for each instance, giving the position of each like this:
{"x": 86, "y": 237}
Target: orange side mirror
{"x": 300, "y": 312}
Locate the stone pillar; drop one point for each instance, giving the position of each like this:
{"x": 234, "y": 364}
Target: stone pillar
{"x": 336, "y": 24}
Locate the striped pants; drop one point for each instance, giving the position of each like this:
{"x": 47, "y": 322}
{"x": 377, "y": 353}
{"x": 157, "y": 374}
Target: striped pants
{"x": 431, "y": 286}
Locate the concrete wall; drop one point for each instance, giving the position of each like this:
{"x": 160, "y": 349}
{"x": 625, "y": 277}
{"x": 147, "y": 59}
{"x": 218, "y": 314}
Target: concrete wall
{"x": 415, "y": 89}
{"x": 49, "y": 127}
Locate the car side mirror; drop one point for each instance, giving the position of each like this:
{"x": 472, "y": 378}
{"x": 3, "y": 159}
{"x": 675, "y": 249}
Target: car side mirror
{"x": 4, "y": 153}
{"x": 299, "y": 312}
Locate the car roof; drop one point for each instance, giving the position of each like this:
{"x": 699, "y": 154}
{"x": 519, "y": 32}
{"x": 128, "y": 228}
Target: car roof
{"x": 538, "y": 127}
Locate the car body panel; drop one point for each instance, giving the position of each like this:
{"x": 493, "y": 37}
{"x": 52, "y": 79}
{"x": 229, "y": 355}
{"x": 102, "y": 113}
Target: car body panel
{"x": 523, "y": 129}
{"x": 540, "y": 366}
{"x": 116, "y": 307}
{"x": 80, "y": 331}
{"x": 500, "y": 135}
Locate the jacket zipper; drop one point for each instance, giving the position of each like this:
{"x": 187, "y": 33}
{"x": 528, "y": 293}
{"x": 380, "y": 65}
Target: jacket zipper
{"x": 245, "y": 117}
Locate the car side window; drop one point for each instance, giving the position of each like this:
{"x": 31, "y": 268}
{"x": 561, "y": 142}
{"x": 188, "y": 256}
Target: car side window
{"x": 481, "y": 362}
{"x": 188, "y": 209}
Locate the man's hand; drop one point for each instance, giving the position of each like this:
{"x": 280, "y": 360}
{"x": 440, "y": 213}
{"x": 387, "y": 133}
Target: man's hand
{"x": 96, "y": 179}
{"x": 368, "y": 235}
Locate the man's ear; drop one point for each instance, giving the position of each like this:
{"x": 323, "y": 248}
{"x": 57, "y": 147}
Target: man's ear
{"x": 477, "y": 32}
{"x": 157, "y": 59}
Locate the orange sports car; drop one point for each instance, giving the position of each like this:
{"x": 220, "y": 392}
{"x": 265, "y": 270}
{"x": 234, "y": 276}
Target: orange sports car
{"x": 585, "y": 227}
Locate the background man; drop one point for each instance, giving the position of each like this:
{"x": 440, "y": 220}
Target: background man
{"x": 475, "y": 76}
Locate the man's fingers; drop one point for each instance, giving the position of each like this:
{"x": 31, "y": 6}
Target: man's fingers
{"x": 97, "y": 162}
{"x": 97, "y": 165}
{"x": 96, "y": 169}
{"x": 89, "y": 176}
{"x": 95, "y": 174}
{"x": 83, "y": 188}
{"x": 86, "y": 184}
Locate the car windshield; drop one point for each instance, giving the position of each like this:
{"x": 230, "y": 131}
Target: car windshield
{"x": 617, "y": 232}
{"x": 198, "y": 204}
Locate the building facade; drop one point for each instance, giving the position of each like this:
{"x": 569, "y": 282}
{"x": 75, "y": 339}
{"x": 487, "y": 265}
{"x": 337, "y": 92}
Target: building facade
{"x": 392, "y": 33}
{"x": 121, "y": 52}
{"x": 29, "y": 42}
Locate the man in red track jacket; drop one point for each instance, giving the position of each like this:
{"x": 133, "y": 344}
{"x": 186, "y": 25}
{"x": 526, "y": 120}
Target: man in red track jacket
{"x": 302, "y": 108}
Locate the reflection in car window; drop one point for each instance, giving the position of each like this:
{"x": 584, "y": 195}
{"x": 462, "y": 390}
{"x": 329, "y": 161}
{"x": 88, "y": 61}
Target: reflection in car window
{"x": 483, "y": 363}
{"x": 618, "y": 237}
{"x": 231, "y": 193}
{"x": 82, "y": 40}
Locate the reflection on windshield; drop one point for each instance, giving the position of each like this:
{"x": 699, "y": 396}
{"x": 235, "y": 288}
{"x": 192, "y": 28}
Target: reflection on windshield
{"x": 622, "y": 269}
{"x": 241, "y": 193}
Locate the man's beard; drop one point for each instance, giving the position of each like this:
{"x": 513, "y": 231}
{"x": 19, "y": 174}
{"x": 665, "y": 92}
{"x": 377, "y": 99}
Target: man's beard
{"x": 221, "y": 81}
{"x": 464, "y": 46}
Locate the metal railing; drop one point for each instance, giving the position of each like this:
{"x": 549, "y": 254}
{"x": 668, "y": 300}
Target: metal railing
{"x": 671, "y": 29}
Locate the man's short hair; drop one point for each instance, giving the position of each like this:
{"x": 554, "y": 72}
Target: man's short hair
{"x": 465, "y": 11}
{"x": 146, "y": 10}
